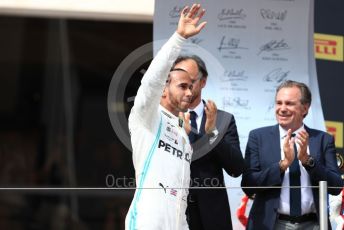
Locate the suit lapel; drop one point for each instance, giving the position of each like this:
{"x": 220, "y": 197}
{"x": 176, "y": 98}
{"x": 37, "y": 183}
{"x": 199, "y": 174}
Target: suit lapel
{"x": 274, "y": 137}
{"x": 204, "y": 118}
{"x": 202, "y": 128}
{"x": 312, "y": 143}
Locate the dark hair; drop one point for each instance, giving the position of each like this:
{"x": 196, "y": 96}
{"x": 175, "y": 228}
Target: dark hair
{"x": 200, "y": 63}
{"x": 168, "y": 80}
{"x": 306, "y": 95}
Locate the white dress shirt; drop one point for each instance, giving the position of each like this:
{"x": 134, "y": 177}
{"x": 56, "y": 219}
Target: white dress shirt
{"x": 307, "y": 201}
{"x": 199, "y": 109}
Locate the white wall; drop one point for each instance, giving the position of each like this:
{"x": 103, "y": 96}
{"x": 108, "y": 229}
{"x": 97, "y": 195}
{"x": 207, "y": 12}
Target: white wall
{"x": 117, "y": 10}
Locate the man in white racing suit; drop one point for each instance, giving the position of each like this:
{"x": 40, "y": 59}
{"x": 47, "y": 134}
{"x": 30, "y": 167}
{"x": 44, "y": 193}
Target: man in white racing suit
{"x": 161, "y": 149}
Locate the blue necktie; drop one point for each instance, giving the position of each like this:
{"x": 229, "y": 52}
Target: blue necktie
{"x": 194, "y": 131}
{"x": 295, "y": 193}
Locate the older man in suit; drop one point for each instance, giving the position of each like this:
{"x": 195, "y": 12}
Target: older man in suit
{"x": 289, "y": 154}
{"x": 215, "y": 141}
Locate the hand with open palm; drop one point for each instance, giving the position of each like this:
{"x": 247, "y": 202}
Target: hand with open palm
{"x": 188, "y": 24}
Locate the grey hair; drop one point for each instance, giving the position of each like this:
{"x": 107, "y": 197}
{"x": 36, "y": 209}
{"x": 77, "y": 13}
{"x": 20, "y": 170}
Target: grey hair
{"x": 306, "y": 95}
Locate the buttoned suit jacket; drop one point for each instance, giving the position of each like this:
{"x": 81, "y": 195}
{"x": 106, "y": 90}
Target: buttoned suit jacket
{"x": 262, "y": 156}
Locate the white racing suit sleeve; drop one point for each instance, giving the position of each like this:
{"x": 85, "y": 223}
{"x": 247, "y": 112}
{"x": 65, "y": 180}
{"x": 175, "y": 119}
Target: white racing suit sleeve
{"x": 148, "y": 97}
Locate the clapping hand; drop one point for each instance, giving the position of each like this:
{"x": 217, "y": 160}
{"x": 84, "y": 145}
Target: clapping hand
{"x": 302, "y": 139}
{"x": 288, "y": 149}
{"x": 211, "y": 112}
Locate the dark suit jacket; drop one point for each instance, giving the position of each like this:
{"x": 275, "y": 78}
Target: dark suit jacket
{"x": 262, "y": 156}
{"x": 206, "y": 170}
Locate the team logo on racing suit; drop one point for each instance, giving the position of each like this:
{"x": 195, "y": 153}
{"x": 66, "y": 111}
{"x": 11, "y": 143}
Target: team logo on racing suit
{"x": 174, "y": 151}
{"x": 171, "y": 133}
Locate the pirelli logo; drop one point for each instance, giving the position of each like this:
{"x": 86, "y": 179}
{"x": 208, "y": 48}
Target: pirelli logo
{"x": 328, "y": 47}
{"x": 336, "y": 129}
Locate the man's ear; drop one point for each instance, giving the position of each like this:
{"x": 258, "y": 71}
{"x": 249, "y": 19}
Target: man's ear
{"x": 203, "y": 82}
{"x": 306, "y": 108}
{"x": 164, "y": 93}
